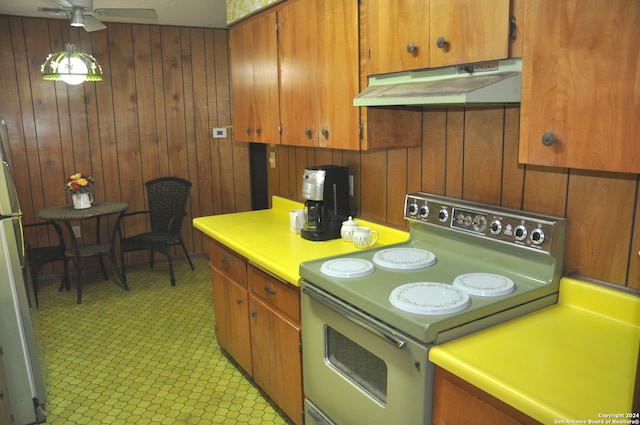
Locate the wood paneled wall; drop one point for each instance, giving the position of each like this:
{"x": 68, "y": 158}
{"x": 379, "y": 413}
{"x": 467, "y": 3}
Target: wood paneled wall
{"x": 163, "y": 89}
{"x": 471, "y": 153}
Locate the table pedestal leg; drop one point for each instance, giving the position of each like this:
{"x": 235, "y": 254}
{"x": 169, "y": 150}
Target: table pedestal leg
{"x": 77, "y": 258}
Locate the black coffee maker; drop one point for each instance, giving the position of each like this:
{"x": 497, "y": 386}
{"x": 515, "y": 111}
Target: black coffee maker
{"x": 326, "y": 190}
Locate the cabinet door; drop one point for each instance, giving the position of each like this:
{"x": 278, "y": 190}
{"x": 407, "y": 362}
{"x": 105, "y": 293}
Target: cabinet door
{"x": 242, "y": 82}
{"x": 254, "y": 80}
{"x": 581, "y": 85}
{"x": 297, "y": 52}
{"x": 450, "y": 393}
{"x": 277, "y": 360}
{"x": 471, "y": 30}
{"x": 265, "y": 78}
{"x": 231, "y": 306}
{"x": 338, "y": 73}
{"x": 397, "y": 35}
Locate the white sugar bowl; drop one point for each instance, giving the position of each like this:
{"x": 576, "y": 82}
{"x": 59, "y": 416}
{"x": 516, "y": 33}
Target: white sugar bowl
{"x": 346, "y": 231}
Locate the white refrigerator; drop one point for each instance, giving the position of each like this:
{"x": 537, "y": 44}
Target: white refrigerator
{"x": 19, "y": 326}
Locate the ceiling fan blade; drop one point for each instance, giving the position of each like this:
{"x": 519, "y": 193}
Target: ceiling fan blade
{"x": 92, "y": 24}
{"x": 54, "y": 11}
{"x": 127, "y": 13}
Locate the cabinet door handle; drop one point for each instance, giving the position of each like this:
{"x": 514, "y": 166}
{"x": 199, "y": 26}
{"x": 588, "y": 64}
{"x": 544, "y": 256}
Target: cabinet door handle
{"x": 239, "y": 301}
{"x": 254, "y": 313}
{"x": 548, "y": 138}
{"x": 441, "y": 43}
{"x": 269, "y": 290}
{"x": 225, "y": 262}
{"x": 325, "y": 132}
{"x": 512, "y": 28}
{"x": 258, "y": 130}
{"x": 411, "y": 47}
{"x": 248, "y": 130}
{"x": 307, "y": 131}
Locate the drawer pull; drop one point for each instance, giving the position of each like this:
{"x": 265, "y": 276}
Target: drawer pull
{"x": 239, "y": 301}
{"x": 269, "y": 290}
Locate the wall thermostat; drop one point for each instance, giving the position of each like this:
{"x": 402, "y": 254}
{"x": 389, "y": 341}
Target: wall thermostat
{"x": 219, "y": 133}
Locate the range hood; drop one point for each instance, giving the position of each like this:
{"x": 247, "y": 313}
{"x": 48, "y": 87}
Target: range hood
{"x": 496, "y": 82}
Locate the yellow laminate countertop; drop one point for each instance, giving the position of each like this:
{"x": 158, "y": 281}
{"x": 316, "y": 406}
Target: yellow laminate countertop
{"x": 263, "y": 237}
{"x": 568, "y": 363}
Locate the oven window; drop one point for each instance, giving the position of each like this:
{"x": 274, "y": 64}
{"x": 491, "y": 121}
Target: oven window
{"x": 357, "y": 364}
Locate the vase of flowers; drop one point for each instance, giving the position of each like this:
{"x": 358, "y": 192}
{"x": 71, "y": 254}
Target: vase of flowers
{"x": 81, "y": 187}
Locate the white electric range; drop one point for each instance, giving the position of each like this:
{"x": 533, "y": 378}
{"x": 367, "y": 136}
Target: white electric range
{"x": 370, "y": 317}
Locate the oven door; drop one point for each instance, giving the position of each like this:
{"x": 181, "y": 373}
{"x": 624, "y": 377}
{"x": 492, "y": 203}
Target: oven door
{"x": 358, "y": 370}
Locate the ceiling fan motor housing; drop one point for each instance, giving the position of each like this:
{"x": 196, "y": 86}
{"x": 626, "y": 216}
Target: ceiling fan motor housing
{"x": 85, "y": 4}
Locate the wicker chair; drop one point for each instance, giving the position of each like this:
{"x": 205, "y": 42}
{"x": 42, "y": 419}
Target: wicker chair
{"x": 167, "y": 198}
{"x": 40, "y": 256}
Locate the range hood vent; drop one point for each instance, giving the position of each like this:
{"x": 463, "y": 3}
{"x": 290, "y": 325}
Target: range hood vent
{"x": 496, "y": 82}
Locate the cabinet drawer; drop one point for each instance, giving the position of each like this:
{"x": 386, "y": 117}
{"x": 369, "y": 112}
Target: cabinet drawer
{"x": 274, "y": 292}
{"x": 228, "y": 263}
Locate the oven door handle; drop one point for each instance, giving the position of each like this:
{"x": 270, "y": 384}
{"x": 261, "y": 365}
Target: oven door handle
{"x": 356, "y": 318}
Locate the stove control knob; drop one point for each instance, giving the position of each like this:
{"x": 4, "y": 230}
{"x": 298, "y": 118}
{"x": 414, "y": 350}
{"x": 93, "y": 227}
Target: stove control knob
{"x": 496, "y": 227}
{"x": 413, "y": 209}
{"x": 424, "y": 211}
{"x": 537, "y": 236}
{"x": 443, "y": 215}
{"x": 520, "y": 232}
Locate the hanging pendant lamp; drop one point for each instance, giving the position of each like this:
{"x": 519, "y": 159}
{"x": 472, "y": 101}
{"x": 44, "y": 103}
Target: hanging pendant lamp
{"x": 71, "y": 67}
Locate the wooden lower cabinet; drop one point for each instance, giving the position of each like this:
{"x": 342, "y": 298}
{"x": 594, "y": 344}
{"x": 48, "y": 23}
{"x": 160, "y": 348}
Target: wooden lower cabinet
{"x": 277, "y": 367}
{"x": 456, "y": 401}
{"x": 232, "y": 319}
{"x": 258, "y": 324}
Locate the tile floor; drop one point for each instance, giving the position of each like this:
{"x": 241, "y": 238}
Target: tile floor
{"x": 144, "y": 356}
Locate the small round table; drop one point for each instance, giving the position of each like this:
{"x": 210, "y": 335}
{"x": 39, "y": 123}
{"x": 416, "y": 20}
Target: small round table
{"x": 67, "y": 213}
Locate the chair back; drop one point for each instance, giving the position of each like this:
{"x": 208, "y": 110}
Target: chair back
{"x": 168, "y": 198}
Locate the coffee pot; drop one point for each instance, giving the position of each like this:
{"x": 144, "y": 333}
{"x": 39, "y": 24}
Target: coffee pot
{"x": 326, "y": 191}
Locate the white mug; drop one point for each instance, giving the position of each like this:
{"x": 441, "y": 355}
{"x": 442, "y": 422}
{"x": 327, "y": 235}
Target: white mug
{"x": 296, "y": 220}
{"x": 363, "y": 237}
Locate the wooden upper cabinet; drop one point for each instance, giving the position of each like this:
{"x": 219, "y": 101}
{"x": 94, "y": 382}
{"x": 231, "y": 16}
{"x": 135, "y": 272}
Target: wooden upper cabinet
{"x": 404, "y": 35}
{"x": 318, "y": 55}
{"x": 338, "y": 74}
{"x": 397, "y": 34}
{"x": 465, "y": 31}
{"x": 254, "y": 79}
{"x": 298, "y": 59}
{"x": 581, "y": 85}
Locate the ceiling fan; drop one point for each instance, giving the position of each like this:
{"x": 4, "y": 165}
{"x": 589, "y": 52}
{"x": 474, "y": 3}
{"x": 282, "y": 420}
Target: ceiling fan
{"x": 82, "y": 13}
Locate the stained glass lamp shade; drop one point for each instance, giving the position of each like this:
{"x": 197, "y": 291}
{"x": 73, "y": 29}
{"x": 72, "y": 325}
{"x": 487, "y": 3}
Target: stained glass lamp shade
{"x": 71, "y": 67}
